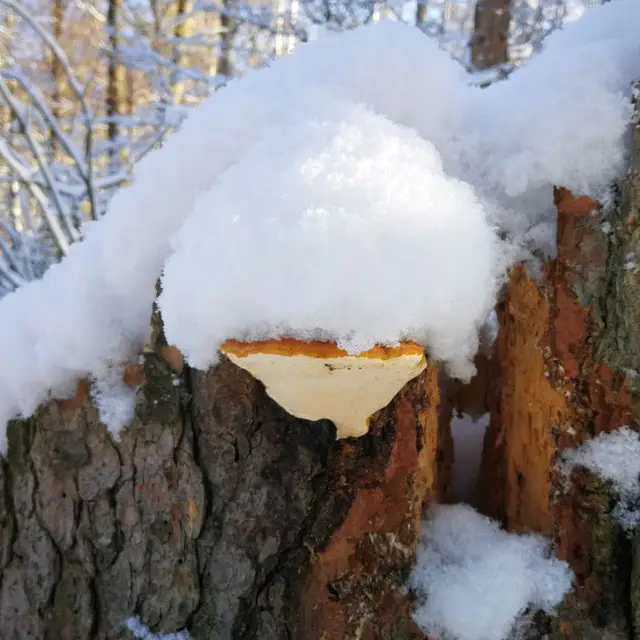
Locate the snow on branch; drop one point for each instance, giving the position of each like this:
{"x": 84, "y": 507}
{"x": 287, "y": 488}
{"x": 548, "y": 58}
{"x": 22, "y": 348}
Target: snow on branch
{"x": 58, "y": 203}
{"x": 50, "y": 183}
{"x": 31, "y": 168}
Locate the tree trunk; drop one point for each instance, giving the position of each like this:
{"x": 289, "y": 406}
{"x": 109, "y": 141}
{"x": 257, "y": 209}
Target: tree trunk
{"x": 58, "y": 77}
{"x": 222, "y": 63}
{"x": 489, "y": 42}
{"x": 216, "y": 512}
{"x": 10, "y": 189}
{"x": 116, "y": 102}
{"x": 181, "y": 32}
{"x": 566, "y": 368}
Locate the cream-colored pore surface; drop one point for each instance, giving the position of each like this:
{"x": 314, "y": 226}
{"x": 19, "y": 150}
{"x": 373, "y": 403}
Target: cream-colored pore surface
{"x": 346, "y": 390}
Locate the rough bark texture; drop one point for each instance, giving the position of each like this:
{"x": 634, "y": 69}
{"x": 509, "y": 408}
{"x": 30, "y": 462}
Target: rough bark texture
{"x": 216, "y": 512}
{"x": 566, "y": 369}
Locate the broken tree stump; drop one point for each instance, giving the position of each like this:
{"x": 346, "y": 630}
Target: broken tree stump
{"x": 216, "y": 512}
{"x": 565, "y": 369}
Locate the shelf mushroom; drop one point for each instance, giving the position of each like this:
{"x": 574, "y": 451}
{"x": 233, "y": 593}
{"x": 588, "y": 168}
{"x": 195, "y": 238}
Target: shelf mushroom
{"x": 316, "y": 380}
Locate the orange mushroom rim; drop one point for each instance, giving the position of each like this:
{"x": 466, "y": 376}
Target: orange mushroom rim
{"x": 316, "y": 349}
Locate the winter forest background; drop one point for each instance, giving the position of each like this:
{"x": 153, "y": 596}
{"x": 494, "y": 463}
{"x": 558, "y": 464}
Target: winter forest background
{"x": 88, "y": 87}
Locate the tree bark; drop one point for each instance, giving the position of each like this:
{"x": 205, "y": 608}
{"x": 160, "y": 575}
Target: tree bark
{"x": 216, "y": 512}
{"x": 565, "y": 369}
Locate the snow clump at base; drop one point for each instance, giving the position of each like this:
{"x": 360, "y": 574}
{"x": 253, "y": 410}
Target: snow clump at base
{"x": 474, "y": 580}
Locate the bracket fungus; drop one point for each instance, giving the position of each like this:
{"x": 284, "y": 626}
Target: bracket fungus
{"x": 318, "y": 380}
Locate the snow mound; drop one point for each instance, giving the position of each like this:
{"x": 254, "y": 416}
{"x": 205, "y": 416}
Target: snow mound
{"x": 614, "y": 457}
{"x": 474, "y": 580}
{"x": 349, "y": 191}
{"x": 348, "y": 220}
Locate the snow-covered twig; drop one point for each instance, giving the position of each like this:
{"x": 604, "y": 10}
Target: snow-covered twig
{"x": 39, "y": 196}
{"x": 74, "y": 85}
{"x": 58, "y": 200}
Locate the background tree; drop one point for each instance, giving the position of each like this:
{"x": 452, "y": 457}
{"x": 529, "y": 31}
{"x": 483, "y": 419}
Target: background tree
{"x": 489, "y": 42}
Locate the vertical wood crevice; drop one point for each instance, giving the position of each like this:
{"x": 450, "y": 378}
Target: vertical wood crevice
{"x": 566, "y": 354}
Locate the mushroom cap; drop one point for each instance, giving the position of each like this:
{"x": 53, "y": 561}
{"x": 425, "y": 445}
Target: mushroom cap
{"x": 318, "y": 380}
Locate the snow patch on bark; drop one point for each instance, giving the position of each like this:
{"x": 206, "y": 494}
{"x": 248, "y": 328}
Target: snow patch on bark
{"x": 614, "y": 457}
{"x": 141, "y": 632}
